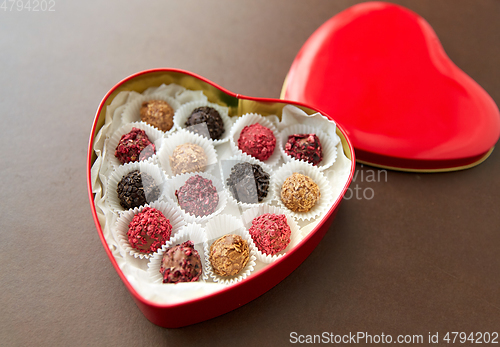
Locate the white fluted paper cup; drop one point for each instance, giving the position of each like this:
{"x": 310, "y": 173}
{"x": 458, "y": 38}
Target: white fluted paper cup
{"x": 179, "y": 138}
{"x": 154, "y": 135}
{"x": 171, "y": 212}
{"x": 132, "y": 111}
{"x": 295, "y": 237}
{"x": 183, "y": 113}
{"x": 191, "y": 232}
{"x": 329, "y": 150}
{"x": 287, "y": 170}
{"x": 175, "y": 183}
{"x": 223, "y": 225}
{"x": 225, "y": 170}
{"x": 118, "y": 173}
{"x": 249, "y": 119}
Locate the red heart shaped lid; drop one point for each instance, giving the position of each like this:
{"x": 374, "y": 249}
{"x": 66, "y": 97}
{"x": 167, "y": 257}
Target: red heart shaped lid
{"x": 381, "y": 72}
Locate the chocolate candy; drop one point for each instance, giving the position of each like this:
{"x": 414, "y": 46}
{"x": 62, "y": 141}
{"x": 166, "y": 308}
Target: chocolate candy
{"x": 149, "y": 230}
{"x": 208, "y": 116}
{"x": 188, "y": 158}
{"x": 181, "y": 263}
{"x": 134, "y": 146}
{"x": 198, "y": 196}
{"x": 299, "y": 193}
{"x": 305, "y": 147}
{"x": 158, "y": 113}
{"x": 229, "y": 254}
{"x": 248, "y": 183}
{"x": 137, "y": 188}
{"x": 270, "y": 233}
{"x": 258, "y": 141}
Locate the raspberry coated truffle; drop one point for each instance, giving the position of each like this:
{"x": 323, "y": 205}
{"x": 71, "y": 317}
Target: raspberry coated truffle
{"x": 181, "y": 263}
{"x": 258, "y": 141}
{"x": 248, "y": 183}
{"x": 188, "y": 158}
{"x": 137, "y": 188}
{"x": 149, "y": 230}
{"x": 157, "y": 113}
{"x": 208, "y": 116}
{"x": 270, "y": 233}
{"x": 198, "y": 196}
{"x": 229, "y": 254}
{"x": 299, "y": 193}
{"x": 305, "y": 147}
{"x": 134, "y": 146}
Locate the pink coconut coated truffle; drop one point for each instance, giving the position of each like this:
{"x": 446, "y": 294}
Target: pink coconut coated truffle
{"x": 149, "y": 230}
{"x": 270, "y": 232}
{"x": 198, "y": 196}
{"x": 258, "y": 141}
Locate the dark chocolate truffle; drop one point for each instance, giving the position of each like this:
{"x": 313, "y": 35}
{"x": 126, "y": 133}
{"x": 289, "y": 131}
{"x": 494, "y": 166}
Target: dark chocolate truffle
{"x": 210, "y": 117}
{"x": 270, "y": 232}
{"x": 198, "y": 196}
{"x": 229, "y": 254}
{"x": 299, "y": 193}
{"x": 188, "y": 158}
{"x": 158, "y": 113}
{"x": 248, "y": 183}
{"x": 305, "y": 147}
{"x": 258, "y": 141}
{"x": 137, "y": 188}
{"x": 134, "y": 146}
{"x": 181, "y": 263}
{"x": 149, "y": 230}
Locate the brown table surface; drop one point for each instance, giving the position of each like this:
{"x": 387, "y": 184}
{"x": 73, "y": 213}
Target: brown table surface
{"x": 421, "y": 256}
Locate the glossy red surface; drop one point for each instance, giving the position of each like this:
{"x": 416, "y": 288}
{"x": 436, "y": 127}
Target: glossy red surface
{"x": 236, "y": 295}
{"x": 380, "y": 71}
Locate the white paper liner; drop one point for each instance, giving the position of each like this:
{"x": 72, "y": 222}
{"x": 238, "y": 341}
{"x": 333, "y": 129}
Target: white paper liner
{"x": 179, "y": 93}
{"x": 183, "y": 113}
{"x": 138, "y": 278}
{"x": 179, "y": 138}
{"x": 132, "y": 110}
{"x": 117, "y": 175}
{"x": 326, "y": 199}
{"x": 173, "y": 184}
{"x": 295, "y": 237}
{"x": 225, "y": 170}
{"x": 190, "y": 232}
{"x": 222, "y": 225}
{"x": 327, "y": 144}
{"x": 249, "y": 119}
{"x": 172, "y": 213}
{"x": 154, "y": 135}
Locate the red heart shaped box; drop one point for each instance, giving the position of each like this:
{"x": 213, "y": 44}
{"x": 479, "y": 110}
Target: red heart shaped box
{"x": 236, "y": 295}
{"x": 380, "y": 70}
